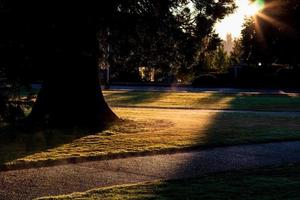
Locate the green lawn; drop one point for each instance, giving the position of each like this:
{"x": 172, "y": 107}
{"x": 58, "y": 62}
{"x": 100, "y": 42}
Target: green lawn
{"x": 160, "y": 130}
{"x": 149, "y": 130}
{"x": 263, "y": 184}
{"x": 202, "y": 100}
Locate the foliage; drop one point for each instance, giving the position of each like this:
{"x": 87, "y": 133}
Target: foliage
{"x": 159, "y": 34}
{"x": 220, "y": 60}
{"x": 41, "y": 40}
{"x": 213, "y": 62}
{"x": 273, "y": 35}
{"x": 269, "y": 45}
{"x": 236, "y": 53}
{"x": 172, "y": 42}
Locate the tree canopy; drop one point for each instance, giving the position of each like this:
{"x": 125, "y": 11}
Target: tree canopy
{"x": 62, "y": 43}
{"x": 273, "y": 36}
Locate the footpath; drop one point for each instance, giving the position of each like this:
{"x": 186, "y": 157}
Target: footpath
{"x": 64, "y": 179}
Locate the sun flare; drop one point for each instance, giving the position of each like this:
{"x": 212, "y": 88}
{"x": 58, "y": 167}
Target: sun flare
{"x": 253, "y": 9}
{"x": 233, "y": 23}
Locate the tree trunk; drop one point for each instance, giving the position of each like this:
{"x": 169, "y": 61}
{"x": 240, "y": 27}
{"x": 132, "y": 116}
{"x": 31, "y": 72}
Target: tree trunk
{"x": 71, "y": 93}
{"x": 72, "y": 97}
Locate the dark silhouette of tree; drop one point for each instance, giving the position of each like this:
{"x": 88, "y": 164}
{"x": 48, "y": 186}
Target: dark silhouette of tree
{"x": 59, "y": 42}
{"x": 273, "y": 36}
{"x": 173, "y": 43}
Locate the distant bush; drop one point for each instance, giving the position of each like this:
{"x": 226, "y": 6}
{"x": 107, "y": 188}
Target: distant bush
{"x": 273, "y": 76}
{"x": 206, "y": 80}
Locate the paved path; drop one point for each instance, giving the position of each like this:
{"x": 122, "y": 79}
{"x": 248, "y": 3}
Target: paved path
{"x": 31, "y": 183}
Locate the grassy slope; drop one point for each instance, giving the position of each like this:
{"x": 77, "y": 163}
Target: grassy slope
{"x": 151, "y": 130}
{"x": 265, "y": 184}
{"x": 204, "y": 100}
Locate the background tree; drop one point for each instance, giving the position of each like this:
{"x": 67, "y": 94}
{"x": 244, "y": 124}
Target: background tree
{"x": 176, "y": 43}
{"x": 221, "y": 59}
{"x": 273, "y": 35}
{"x": 236, "y": 53}
{"x": 270, "y": 41}
{"x": 228, "y": 43}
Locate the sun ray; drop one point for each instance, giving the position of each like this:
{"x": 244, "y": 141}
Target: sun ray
{"x": 261, "y": 12}
{"x": 271, "y": 14}
{"x": 272, "y": 5}
{"x": 259, "y": 32}
{"x": 275, "y": 22}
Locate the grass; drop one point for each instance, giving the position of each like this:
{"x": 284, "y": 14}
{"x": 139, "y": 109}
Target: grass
{"x": 241, "y": 101}
{"x": 150, "y": 130}
{"x": 157, "y": 130}
{"x": 265, "y": 184}
{"x": 160, "y": 130}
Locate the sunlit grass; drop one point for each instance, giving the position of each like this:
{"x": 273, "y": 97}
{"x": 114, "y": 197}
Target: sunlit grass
{"x": 153, "y": 130}
{"x": 160, "y": 130}
{"x": 267, "y": 184}
{"x": 202, "y": 100}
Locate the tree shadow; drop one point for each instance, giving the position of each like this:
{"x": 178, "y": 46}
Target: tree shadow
{"x": 254, "y": 101}
{"x": 16, "y": 143}
{"x": 132, "y": 98}
{"x": 233, "y": 123}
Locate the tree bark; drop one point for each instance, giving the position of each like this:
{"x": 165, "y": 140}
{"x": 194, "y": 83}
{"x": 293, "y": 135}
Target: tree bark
{"x": 71, "y": 94}
{"x": 72, "y": 97}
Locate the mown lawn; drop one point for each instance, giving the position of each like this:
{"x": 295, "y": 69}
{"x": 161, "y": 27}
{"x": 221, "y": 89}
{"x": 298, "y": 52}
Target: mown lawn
{"x": 202, "y": 100}
{"x": 150, "y": 130}
{"x": 265, "y": 184}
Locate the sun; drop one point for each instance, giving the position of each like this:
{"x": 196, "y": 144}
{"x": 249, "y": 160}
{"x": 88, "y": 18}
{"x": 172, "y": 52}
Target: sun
{"x": 233, "y": 23}
{"x": 253, "y": 8}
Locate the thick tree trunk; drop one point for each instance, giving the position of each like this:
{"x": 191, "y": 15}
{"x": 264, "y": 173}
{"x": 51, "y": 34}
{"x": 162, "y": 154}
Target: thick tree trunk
{"x": 72, "y": 96}
{"x": 71, "y": 93}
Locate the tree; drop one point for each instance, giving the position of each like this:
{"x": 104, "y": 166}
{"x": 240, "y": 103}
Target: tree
{"x": 274, "y": 34}
{"x": 221, "y": 61}
{"x": 60, "y": 38}
{"x": 236, "y": 53}
{"x": 60, "y": 42}
{"x": 228, "y": 44}
{"x": 171, "y": 44}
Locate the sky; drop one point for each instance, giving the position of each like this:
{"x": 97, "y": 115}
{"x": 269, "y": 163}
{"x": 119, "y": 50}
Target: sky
{"x": 233, "y": 23}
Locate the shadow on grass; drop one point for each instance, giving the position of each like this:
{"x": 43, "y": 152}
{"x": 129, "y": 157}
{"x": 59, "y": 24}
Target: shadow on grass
{"x": 253, "y": 101}
{"x": 242, "y": 100}
{"x": 221, "y": 128}
{"x": 16, "y": 144}
{"x": 234, "y": 124}
{"x": 132, "y": 98}
{"x": 270, "y": 102}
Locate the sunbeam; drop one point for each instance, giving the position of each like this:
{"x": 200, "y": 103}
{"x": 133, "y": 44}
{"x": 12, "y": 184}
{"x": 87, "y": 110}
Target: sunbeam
{"x": 270, "y": 14}
{"x": 274, "y": 22}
